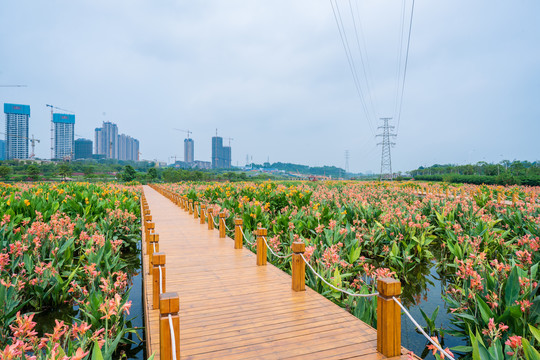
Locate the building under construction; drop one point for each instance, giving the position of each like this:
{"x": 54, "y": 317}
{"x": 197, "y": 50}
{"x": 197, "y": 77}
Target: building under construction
{"x": 221, "y": 155}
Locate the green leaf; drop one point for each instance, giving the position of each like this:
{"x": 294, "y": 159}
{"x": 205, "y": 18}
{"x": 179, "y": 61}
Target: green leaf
{"x": 496, "y": 350}
{"x": 511, "y": 290}
{"x": 96, "y": 352}
{"x": 535, "y": 332}
{"x": 468, "y": 317}
{"x": 462, "y": 349}
{"x": 530, "y": 352}
{"x": 485, "y": 311}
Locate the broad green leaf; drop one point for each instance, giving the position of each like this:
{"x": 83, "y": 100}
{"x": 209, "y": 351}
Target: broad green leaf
{"x": 530, "y": 352}
{"x": 535, "y": 332}
{"x": 462, "y": 349}
{"x": 511, "y": 290}
{"x": 485, "y": 311}
{"x": 96, "y": 352}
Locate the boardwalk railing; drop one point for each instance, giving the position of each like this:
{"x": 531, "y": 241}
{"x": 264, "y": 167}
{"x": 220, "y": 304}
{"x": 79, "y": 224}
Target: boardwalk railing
{"x": 167, "y": 303}
{"x": 389, "y": 306}
{"x": 388, "y": 312}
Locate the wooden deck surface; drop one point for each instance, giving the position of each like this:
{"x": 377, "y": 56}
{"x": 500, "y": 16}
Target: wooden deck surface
{"x": 230, "y": 308}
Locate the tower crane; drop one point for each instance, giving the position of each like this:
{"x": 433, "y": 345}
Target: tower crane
{"x": 186, "y": 131}
{"x": 12, "y": 85}
{"x": 33, "y": 142}
{"x": 229, "y": 138}
{"x": 52, "y": 125}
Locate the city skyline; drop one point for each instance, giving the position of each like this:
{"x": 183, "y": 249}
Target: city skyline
{"x": 275, "y": 77}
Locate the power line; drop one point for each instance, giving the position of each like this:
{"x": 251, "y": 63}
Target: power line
{"x": 405, "y": 67}
{"x": 364, "y": 63}
{"x": 350, "y": 60}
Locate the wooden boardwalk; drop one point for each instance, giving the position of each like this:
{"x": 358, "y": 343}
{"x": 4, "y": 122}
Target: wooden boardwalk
{"x": 230, "y": 308}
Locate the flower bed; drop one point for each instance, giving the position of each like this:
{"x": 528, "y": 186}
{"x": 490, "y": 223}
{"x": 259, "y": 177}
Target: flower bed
{"x": 66, "y": 246}
{"x": 483, "y": 239}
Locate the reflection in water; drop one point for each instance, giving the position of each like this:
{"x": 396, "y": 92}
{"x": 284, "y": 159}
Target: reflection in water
{"x": 427, "y": 295}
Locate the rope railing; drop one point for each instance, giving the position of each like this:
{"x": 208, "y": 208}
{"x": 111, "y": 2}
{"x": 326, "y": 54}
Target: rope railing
{"x": 332, "y": 286}
{"x": 421, "y": 329}
{"x": 389, "y": 290}
{"x": 245, "y": 238}
{"x": 160, "y": 280}
{"x": 173, "y": 340}
{"x": 272, "y": 251}
{"x": 226, "y": 227}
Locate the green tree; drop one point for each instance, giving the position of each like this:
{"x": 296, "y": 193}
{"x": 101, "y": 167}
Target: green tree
{"x": 33, "y": 172}
{"x": 4, "y": 171}
{"x": 152, "y": 174}
{"x": 129, "y": 173}
{"x": 88, "y": 171}
{"x": 64, "y": 170}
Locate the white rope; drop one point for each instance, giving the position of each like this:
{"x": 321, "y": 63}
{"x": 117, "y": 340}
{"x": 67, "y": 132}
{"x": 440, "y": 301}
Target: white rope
{"x": 173, "y": 340}
{"x": 332, "y": 286}
{"x": 245, "y": 238}
{"x": 226, "y": 227}
{"x": 272, "y": 251}
{"x": 160, "y": 281}
{"x": 422, "y": 330}
{"x": 214, "y": 221}
{"x": 154, "y": 246}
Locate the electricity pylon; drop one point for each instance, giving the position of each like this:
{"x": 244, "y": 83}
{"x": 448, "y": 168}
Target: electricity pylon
{"x": 386, "y": 158}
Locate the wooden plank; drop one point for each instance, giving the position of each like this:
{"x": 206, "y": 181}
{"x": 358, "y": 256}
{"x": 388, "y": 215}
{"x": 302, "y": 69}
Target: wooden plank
{"x": 231, "y": 308}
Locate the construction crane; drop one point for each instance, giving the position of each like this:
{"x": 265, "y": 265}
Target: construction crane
{"x": 12, "y": 85}
{"x": 33, "y": 142}
{"x": 229, "y": 140}
{"x": 52, "y": 125}
{"x": 186, "y": 131}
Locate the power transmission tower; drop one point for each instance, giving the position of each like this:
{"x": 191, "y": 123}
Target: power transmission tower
{"x": 386, "y": 158}
{"x": 346, "y": 161}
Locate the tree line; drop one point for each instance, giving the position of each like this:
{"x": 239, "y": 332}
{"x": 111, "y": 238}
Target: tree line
{"x": 504, "y": 173}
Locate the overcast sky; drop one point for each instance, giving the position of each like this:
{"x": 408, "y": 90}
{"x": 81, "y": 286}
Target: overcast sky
{"x": 274, "y": 76}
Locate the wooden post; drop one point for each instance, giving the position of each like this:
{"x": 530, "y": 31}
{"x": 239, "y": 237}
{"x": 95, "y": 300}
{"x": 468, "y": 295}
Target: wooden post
{"x": 158, "y": 259}
{"x": 154, "y": 239}
{"x": 238, "y": 241}
{"x": 149, "y": 226}
{"x": 186, "y": 203}
{"x": 196, "y": 209}
{"x": 210, "y": 214}
{"x": 298, "y": 266}
{"x": 388, "y": 317}
{"x": 203, "y": 215}
{"x": 169, "y": 304}
{"x": 222, "y": 224}
{"x": 261, "y": 247}
{"x": 190, "y": 205}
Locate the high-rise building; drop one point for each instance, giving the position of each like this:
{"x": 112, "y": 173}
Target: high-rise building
{"x": 64, "y": 134}
{"x": 2, "y": 150}
{"x": 17, "y": 130}
{"x": 217, "y": 145}
{"x": 221, "y": 155}
{"x": 98, "y": 142}
{"x": 226, "y": 157}
{"x": 106, "y": 139}
{"x": 128, "y": 148}
{"x": 189, "y": 148}
{"x": 83, "y": 149}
